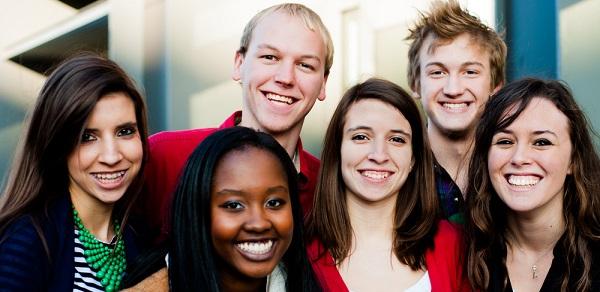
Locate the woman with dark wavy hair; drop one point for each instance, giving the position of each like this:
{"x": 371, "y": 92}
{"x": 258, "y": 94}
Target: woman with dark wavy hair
{"x": 237, "y": 222}
{"x": 63, "y": 214}
{"x": 375, "y": 223}
{"x": 533, "y": 218}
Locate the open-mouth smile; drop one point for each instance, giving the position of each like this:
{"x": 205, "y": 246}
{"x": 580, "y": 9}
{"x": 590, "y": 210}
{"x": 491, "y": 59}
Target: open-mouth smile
{"x": 280, "y": 98}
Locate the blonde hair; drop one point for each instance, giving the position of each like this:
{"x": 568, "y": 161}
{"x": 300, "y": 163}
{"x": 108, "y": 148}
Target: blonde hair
{"x": 310, "y": 18}
{"x": 446, "y": 21}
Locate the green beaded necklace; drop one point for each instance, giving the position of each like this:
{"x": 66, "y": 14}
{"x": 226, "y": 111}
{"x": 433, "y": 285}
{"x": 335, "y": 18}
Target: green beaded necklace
{"x": 108, "y": 263}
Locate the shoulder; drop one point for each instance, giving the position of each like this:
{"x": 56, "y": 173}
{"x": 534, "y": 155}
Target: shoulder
{"x": 308, "y": 157}
{"x": 447, "y": 244}
{"x": 169, "y": 139}
{"x": 23, "y": 257}
{"x": 324, "y": 267}
{"x": 21, "y": 228}
{"x": 314, "y": 248}
{"x": 309, "y": 164}
{"x": 156, "y": 282}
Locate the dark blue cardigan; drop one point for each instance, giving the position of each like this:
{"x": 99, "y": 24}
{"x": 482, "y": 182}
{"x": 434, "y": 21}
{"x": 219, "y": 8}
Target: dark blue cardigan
{"x": 24, "y": 263}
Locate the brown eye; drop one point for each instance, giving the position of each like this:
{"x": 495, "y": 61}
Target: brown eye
{"x": 542, "y": 142}
{"x": 399, "y": 140}
{"x": 275, "y": 203}
{"x": 128, "y": 131}
{"x": 87, "y": 137}
{"x": 360, "y": 137}
{"x": 232, "y": 205}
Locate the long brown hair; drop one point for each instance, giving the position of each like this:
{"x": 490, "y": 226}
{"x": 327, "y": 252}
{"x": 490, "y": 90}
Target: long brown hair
{"x": 486, "y": 216}
{"x": 39, "y": 174}
{"x": 417, "y": 209}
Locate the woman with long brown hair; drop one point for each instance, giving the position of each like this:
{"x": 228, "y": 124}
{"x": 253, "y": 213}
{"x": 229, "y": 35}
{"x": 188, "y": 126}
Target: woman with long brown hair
{"x": 533, "y": 218}
{"x": 63, "y": 214}
{"x": 375, "y": 223}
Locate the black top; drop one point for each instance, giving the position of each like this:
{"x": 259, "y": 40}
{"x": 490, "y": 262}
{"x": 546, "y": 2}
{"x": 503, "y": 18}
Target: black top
{"x": 552, "y": 283}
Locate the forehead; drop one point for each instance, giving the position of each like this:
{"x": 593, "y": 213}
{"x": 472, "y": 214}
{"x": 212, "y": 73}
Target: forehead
{"x": 251, "y": 166}
{"x": 117, "y": 107}
{"x": 375, "y": 113}
{"x": 280, "y": 27}
{"x": 461, "y": 49}
{"x": 539, "y": 115}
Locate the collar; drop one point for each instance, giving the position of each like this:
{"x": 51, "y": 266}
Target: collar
{"x": 276, "y": 280}
{"x": 300, "y": 158}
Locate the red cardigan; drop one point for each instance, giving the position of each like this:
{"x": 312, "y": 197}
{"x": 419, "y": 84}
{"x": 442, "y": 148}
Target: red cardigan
{"x": 443, "y": 263}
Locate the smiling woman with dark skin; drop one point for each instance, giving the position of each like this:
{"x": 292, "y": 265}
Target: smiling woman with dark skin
{"x": 237, "y": 222}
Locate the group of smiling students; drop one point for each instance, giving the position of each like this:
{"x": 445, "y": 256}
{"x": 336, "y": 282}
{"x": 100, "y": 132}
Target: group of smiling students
{"x": 498, "y": 190}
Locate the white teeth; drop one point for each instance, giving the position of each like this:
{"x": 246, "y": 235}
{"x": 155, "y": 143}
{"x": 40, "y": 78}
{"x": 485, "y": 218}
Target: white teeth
{"x": 375, "y": 174}
{"x": 455, "y": 105}
{"x": 109, "y": 176}
{"x": 280, "y": 98}
{"x": 518, "y": 180}
{"x": 256, "y": 247}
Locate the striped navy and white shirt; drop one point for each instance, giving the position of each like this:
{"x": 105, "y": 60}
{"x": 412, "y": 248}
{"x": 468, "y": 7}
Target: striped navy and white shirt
{"x": 85, "y": 276}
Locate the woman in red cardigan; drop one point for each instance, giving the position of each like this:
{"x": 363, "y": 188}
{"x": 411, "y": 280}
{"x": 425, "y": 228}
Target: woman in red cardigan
{"x": 375, "y": 223}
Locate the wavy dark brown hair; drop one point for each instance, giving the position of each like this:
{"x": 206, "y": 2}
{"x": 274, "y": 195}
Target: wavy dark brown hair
{"x": 39, "y": 174}
{"x": 417, "y": 209}
{"x": 486, "y": 216}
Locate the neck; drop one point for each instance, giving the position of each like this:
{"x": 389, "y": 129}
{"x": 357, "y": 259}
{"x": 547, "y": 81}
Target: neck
{"x": 372, "y": 222}
{"x": 535, "y": 233}
{"x": 287, "y": 139}
{"x": 452, "y": 153}
{"x": 230, "y": 283}
{"x": 95, "y": 217}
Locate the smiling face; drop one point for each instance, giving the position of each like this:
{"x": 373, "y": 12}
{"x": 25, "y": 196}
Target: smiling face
{"x": 529, "y": 161}
{"x": 376, "y": 152}
{"x": 282, "y": 74}
{"x": 455, "y": 83}
{"x": 109, "y": 154}
{"x": 251, "y": 214}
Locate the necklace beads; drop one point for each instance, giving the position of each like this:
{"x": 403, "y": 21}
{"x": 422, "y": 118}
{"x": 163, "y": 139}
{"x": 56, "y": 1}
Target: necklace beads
{"x": 108, "y": 263}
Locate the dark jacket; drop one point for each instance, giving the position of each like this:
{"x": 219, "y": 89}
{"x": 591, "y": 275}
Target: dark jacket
{"x": 24, "y": 262}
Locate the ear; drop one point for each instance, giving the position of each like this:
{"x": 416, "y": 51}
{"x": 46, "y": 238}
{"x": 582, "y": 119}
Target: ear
{"x": 570, "y": 169}
{"x": 497, "y": 88}
{"x": 415, "y": 95}
{"x": 414, "y": 88}
{"x": 238, "y": 61}
{"x": 322, "y": 94}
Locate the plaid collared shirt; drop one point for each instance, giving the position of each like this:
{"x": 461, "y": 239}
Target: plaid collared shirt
{"x": 451, "y": 198}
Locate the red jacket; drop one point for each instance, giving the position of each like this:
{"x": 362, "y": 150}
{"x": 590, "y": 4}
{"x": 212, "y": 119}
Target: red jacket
{"x": 443, "y": 263}
{"x": 169, "y": 152}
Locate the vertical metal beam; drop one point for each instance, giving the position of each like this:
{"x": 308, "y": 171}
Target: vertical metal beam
{"x": 532, "y": 37}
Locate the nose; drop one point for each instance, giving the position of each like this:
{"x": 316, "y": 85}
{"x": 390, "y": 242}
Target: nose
{"x": 110, "y": 153}
{"x": 454, "y": 86}
{"x": 378, "y": 153}
{"x": 257, "y": 220}
{"x": 285, "y": 74}
{"x": 521, "y": 155}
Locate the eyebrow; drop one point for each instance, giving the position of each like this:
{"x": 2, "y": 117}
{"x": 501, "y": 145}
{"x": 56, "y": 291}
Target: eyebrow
{"x": 537, "y": 132}
{"x": 239, "y": 193}
{"x": 307, "y": 56}
{"x": 440, "y": 64}
{"x": 121, "y": 126}
{"x": 397, "y": 131}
